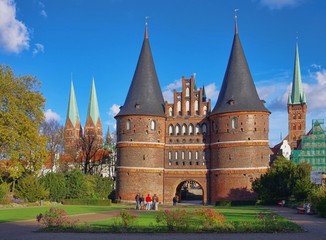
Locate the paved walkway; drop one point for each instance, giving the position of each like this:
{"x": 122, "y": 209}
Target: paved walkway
{"x": 315, "y": 229}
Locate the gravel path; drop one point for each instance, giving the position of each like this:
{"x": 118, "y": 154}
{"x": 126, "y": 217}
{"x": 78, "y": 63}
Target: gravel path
{"x": 315, "y": 229}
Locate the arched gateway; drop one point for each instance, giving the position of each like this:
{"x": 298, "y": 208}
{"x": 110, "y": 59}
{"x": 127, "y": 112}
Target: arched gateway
{"x": 190, "y": 191}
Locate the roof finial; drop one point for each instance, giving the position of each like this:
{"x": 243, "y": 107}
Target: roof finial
{"x": 146, "y": 27}
{"x": 235, "y": 20}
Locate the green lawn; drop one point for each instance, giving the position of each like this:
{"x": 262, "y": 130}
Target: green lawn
{"x": 25, "y": 213}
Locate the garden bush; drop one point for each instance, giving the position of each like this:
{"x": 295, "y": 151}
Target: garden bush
{"x": 55, "y": 218}
{"x": 30, "y": 188}
{"x": 318, "y": 201}
{"x": 76, "y": 184}
{"x": 55, "y": 183}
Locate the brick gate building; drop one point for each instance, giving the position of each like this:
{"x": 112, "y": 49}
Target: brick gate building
{"x": 162, "y": 145}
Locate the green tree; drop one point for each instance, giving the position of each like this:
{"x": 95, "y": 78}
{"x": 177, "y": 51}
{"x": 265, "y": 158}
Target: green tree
{"x": 76, "y": 184}
{"x": 56, "y": 185}
{"x": 21, "y": 115}
{"x": 283, "y": 180}
{"x": 30, "y": 188}
{"x": 104, "y": 186}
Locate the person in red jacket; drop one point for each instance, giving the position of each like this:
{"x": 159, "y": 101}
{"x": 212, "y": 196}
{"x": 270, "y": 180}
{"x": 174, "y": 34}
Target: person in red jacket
{"x": 148, "y": 202}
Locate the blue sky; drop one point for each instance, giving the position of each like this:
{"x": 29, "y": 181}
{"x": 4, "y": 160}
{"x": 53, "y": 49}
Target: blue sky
{"x": 79, "y": 39}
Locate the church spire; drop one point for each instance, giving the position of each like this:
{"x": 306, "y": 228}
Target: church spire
{"x": 297, "y": 95}
{"x": 144, "y": 95}
{"x": 72, "y": 113}
{"x": 93, "y": 110}
{"x": 238, "y": 91}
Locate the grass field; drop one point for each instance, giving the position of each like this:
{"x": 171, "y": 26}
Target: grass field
{"x": 16, "y": 214}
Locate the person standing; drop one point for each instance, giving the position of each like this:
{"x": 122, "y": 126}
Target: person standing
{"x": 155, "y": 202}
{"x": 148, "y": 202}
{"x": 137, "y": 199}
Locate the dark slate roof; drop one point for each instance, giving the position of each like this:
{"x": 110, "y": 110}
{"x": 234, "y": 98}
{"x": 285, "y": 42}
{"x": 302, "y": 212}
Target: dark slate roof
{"x": 144, "y": 95}
{"x": 238, "y": 92}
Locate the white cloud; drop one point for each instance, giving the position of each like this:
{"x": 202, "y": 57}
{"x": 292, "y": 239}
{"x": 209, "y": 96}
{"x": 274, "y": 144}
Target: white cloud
{"x": 114, "y": 110}
{"x": 278, "y": 4}
{"x": 211, "y": 92}
{"x": 39, "y": 48}
{"x": 14, "y": 36}
{"x": 168, "y": 90}
{"x": 42, "y": 9}
{"x": 315, "y": 93}
{"x": 49, "y": 114}
{"x": 43, "y": 13}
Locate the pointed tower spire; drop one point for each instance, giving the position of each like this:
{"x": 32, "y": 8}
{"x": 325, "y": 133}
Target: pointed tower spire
{"x": 204, "y": 98}
{"x": 146, "y": 27}
{"x": 144, "y": 95}
{"x": 297, "y": 95}
{"x": 72, "y": 113}
{"x": 93, "y": 110}
{"x": 238, "y": 91}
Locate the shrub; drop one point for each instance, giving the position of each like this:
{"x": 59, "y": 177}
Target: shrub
{"x": 318, "y": 201}
{"x": 76, "y": 184}
{"x": 175, "y": 220}
{"x": 55, "y": 183}
{"x": 104, "y": 186}
{"x": 31, "y": 189}
{"x": 208, "y": 218}
{"x": 124, "y": 220}
{"x": 54, "y": 218}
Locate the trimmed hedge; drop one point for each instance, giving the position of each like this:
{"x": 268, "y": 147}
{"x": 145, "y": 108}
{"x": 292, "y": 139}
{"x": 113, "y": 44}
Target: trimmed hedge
{"x": 94, "y": 202}
{"x": 236, "y": 203}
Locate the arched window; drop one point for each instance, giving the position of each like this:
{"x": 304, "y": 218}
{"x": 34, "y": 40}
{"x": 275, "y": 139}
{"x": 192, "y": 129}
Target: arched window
{"x": 196, "y": 105}
{"x": 205, "y": 110}
{"x": 170, "y": 155}
{"x": 171, "y": 130}
{"x": 170, "y": 111}
{"x": 153, "y": 125}
{"x": 190, "y": 155}
{"x": 182, "y": 155}
{"x": 187, "y": 92}
{"x": 128, "y": 124}
{"x": 176, "y": 155}
{"x": 294, "y": 127}
{"x": 197, "y": 129}
{"x": 177, "y": 129}
{"x": 187, "y": 106}
{"x": 299, "y": 127}
{"x": 196, "y": 155}
{"x": 179, "y": 106}
{"x": 191, "y": 129}
{"x": 204, "y": 128}
{"x": 234, "y": 122}
{"x": 184, "y": 129}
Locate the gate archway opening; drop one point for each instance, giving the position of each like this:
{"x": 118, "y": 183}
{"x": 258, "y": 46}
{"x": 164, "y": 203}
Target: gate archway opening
{"x": 190, "y": 191}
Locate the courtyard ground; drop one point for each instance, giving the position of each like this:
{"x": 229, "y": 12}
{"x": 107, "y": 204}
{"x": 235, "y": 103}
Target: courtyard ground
{"x": 315, "y": 229}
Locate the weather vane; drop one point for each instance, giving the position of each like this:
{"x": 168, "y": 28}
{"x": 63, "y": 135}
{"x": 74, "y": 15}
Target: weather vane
{"x": 235, "y": 12}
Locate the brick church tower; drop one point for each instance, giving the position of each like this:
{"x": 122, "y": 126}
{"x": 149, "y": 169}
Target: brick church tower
{"x": 72, "y": 130}
{"x": 297, "y": 106}
{"x": 93, "y": 127}
{"x": 239, "y": 132}
{"x": 141, "y": 132}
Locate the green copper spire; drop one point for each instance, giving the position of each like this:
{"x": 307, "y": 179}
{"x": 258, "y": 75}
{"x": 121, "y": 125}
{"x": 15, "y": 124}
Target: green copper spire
{"x": 93, "y": 111}
{"x": 297, "y": 95}
{"x": 204, "y": 94}
{"x": 72, "y": 113}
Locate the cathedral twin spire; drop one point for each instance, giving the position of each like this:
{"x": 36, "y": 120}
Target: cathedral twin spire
{"x": 297, "y": 95}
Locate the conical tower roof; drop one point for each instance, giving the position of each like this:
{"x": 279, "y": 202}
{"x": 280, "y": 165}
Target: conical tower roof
{"x": 93, "y": 110}
{"x": 238, "y": 92}
{"x": 297, "y": 95}
{"x": 72, "y": 113}
{"x": 144, "y": 95}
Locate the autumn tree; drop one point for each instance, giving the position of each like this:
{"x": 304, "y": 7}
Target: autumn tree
{"x": 53, "y": 131}
{"x": 21, "y": 116}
